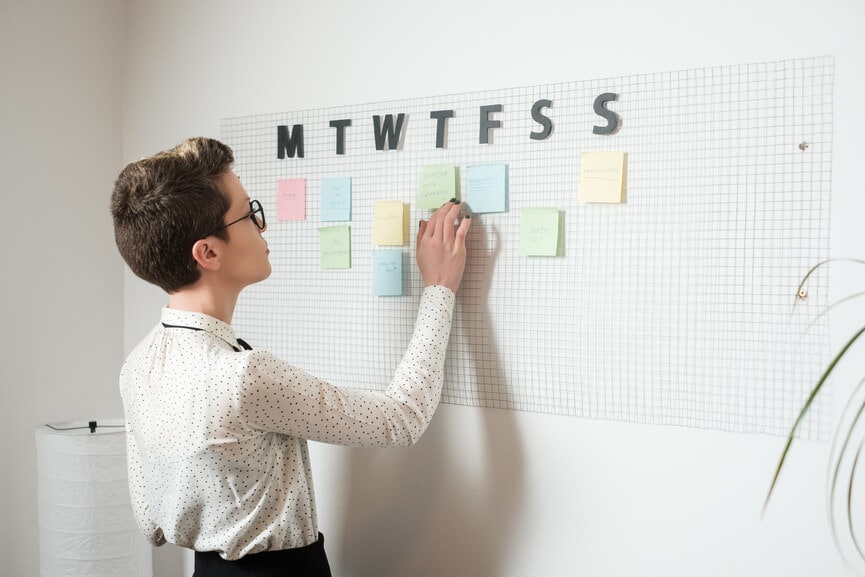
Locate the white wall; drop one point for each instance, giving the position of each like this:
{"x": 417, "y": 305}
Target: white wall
{"x": 61, "y": 281}
{"x": 501, "y": 493}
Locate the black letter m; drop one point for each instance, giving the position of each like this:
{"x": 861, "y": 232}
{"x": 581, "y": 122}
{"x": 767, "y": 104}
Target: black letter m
{"x": 287, "y": 142}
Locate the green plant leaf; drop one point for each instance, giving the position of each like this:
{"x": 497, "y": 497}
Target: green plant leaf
{"x": 808, "y": 402}
{"x": 836, "y": 469}
{"x": 833, "y": 486}
{"x": 826, "y": 310}
{"x": 821, "y": 264}
{"x": 850, "y": 501}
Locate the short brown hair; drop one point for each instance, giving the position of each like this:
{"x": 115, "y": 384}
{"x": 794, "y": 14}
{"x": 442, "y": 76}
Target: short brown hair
{"x": 164, "y": 203}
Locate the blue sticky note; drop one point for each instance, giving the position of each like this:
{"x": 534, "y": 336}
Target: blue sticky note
{"x": 487, "y": 188}
{"x": 387, "y": 273}
{"x": 336, "y": 199}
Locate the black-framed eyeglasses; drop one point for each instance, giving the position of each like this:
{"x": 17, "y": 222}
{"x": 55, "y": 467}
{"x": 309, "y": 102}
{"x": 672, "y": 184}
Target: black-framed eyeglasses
{"x": 256, "y": 214}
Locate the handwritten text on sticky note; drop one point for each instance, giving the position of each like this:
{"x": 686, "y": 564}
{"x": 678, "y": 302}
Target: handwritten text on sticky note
{"x": 437, "y": 185}
{"x": 388, "y": 223}
{"x": 291, "y": 199}
{"x": 539, "y": 231}
{"x": 602, "y": 177}
{"x": 387, "y": 273}
{"x": 336, "y": 199}
{"x": 487, "y": 187}
{"x": 335, "y": 247}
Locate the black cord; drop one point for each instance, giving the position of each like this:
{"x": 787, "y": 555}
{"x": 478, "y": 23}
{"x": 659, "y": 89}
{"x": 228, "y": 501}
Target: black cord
{"x": 92, "y": 425}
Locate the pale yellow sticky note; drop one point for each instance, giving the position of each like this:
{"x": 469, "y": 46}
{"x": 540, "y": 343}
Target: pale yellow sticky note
{"x": 602, "y": 177}
{"x": 389, "y": 223}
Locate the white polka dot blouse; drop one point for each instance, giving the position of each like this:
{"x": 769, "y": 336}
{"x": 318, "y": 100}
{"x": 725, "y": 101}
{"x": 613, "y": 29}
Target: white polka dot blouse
{"x": 216, "y": 434}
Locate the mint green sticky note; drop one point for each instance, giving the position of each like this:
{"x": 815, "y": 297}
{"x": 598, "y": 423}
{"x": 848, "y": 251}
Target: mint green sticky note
{"x": 335, "y": 247}
{"x": 539, "y": 232}
{"x": 437, "y": 185}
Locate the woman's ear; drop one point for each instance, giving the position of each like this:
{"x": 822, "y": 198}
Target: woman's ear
{"x": 206, "y": 253}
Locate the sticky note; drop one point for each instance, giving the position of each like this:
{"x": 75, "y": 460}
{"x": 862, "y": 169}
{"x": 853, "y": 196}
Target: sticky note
{"x": 335, "y": 247}
{"x": 487, "y": 187}
{"x": 539, "y": 232}
{"x": 336, "y": 199}
{"x": 437, "y": 185}
{"x": 291, "y": 199}
{"x": 387, "y": 273}
{"x": 602, "y": 177}
{"x": 389, "y": 223}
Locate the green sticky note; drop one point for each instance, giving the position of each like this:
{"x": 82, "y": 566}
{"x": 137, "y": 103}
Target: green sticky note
{"x": 539, "y": 232}
{"x": 335, "y": 247}
{"x": 437, "y": 185}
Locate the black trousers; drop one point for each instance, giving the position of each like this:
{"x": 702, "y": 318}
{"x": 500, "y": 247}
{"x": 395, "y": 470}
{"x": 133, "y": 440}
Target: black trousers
{"x": 309, "y": 561}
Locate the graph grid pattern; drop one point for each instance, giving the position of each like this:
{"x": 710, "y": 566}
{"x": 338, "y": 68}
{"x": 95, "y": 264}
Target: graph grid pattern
{"x": 677, "y": 306}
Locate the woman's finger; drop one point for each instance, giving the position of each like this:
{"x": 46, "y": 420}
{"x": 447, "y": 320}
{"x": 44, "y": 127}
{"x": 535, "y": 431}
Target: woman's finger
{"x": 463, "y": 230}
{"x": 421, "y": 231}
{"x": 446, "y": 216}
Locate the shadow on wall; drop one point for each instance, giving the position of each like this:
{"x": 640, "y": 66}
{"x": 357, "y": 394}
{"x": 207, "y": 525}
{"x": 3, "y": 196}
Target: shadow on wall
{"x": 170, "y": 559}
{"x": 425, "y": 510}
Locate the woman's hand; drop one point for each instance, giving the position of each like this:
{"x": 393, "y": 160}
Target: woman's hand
{"x": 441, "y": 247}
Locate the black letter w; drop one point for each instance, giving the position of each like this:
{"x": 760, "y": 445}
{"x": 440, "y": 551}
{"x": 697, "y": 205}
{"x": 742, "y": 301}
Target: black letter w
{"x": 393, "y": 134}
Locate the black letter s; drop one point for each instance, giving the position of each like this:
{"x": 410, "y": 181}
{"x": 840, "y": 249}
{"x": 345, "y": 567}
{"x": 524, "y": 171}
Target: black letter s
{"x": 611, "y": 117}
{"x": 541, "y": 119}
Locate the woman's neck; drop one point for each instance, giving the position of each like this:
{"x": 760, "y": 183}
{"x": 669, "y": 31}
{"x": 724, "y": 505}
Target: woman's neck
{"x": 202, "y": 298}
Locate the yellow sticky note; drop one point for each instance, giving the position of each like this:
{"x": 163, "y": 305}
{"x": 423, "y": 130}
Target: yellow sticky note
{"x": 602, "y": 177}
{"x": 389, "y": 223}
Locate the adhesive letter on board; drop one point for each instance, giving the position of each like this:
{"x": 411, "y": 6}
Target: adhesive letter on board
{"x": 441, "y": 117}
{"x": 486, "y": 123}
{"x": 541, "y": 119}
{"x": 388, "y": 130}
{"x": 340, "y": 133}
{"x": 611, "y": 117}
{"x": 289, "y": 142}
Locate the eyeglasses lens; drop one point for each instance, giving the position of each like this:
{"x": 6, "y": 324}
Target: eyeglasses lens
{"x": 257, "y": 214}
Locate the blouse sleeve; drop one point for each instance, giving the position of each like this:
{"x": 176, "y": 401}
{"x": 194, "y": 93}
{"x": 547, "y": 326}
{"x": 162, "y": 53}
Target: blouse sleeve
{"x": 278, "y": 397}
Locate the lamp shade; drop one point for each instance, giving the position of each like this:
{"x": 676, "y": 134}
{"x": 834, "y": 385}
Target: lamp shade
{"x": 86, "y": 526}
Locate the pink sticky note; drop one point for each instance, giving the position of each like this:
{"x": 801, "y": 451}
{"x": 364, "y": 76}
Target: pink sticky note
{"x": 291, "y": 199}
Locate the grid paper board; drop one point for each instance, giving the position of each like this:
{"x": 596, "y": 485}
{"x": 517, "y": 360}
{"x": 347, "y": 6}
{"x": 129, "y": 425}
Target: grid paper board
{"x": 672, "y": 307}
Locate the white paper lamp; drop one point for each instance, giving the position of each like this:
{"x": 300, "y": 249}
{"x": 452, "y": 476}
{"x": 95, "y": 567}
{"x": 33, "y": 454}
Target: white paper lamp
{"x": 86, "y": 527}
